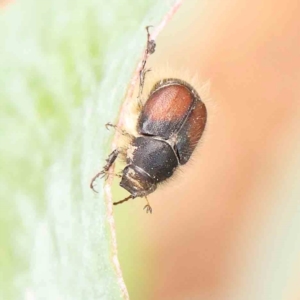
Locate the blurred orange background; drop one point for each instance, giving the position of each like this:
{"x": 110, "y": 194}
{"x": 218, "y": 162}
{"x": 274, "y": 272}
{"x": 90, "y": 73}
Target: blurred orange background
{"x": 227, "y": 226}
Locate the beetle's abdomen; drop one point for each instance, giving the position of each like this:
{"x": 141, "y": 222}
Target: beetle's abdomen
{"x": 165, "y": 110}
{"x": 155, "y": 157}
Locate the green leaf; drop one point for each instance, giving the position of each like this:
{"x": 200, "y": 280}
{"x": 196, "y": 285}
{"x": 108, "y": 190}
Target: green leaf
{"x": 64, "y": 70}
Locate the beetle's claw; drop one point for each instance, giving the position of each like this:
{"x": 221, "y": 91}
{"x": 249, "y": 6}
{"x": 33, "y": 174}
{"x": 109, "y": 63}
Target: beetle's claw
{"x": 148, "y": 208}
{"x": 104, "y": 174}
{"x": 107, "y": 125}
{"x": 92, "y": 186}
{"x": 149, "y": 26}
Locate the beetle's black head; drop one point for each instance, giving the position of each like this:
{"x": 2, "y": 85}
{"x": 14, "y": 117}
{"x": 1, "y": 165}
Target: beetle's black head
{"x": 137, "y": 182}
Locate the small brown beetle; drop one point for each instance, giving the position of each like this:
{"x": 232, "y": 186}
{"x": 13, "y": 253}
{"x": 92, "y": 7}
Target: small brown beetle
{"x": 169, "y": 127}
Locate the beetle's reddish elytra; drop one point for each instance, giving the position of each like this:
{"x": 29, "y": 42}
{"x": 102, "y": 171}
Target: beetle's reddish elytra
{"x": 170, "y": 124}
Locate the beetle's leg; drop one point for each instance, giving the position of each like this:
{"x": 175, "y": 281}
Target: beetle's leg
{"x": 150, "y": 48}
{"x": 150, "y": 43}
{"x": 148, "y": 207}
{"x": 118, "y": 129}
{"x": 109, "y": 162}
{"x": 124, "y": 200}
{"x": 142, "y": 81}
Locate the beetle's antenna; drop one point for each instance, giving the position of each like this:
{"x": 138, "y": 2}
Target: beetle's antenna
{"x": 124, "y": 200}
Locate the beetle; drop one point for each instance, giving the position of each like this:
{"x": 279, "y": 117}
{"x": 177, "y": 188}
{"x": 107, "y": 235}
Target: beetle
{"x": 170, "y": 124}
